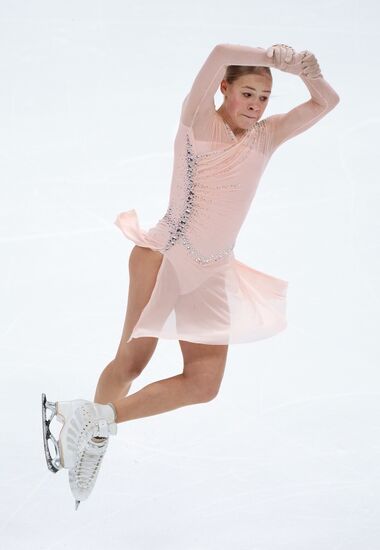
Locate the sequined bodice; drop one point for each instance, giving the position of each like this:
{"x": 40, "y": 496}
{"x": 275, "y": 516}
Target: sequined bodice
{"x": 211, "y": 191}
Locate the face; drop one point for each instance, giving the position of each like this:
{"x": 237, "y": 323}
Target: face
{"x": 245, "y": 100}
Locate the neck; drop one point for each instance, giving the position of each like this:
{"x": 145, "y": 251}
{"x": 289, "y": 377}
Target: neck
{"x": 236, "y": 130}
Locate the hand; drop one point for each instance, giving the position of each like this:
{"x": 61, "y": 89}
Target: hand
{"x": 310, "y": 65}
{"x": 286, "y": 59}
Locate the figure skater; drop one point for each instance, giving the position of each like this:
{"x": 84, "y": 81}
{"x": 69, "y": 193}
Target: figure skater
{"x": 184, "y": 280}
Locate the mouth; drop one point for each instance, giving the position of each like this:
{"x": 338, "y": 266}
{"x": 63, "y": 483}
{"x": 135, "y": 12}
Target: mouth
{"x": 250, "y": 116}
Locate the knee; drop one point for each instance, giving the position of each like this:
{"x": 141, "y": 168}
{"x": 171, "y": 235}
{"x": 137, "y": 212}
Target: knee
{"x": 210, "y": 393}
{"x": 203, "y": 389}
{"x": 125, "y": 369}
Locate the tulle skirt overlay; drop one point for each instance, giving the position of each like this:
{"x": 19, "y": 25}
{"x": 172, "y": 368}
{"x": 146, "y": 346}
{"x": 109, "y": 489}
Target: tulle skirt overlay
{"x": 223, "y": 303}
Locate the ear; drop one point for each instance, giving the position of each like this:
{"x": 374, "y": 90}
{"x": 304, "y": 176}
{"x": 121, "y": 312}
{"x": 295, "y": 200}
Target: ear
{"x": 223, "y": 86}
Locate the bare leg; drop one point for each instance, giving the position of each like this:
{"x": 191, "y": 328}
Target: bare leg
{"x": 132, "y": 357}
{"x": 117, "y": 377}
{"x": 198, "y": 383}
{"x": 203, "y": 364}
{"x": 158, "y": 397}
{"x": 111, "y": 384}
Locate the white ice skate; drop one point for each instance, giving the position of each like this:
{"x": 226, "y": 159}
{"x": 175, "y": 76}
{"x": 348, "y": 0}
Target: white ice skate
{"x": 76, "y": 449}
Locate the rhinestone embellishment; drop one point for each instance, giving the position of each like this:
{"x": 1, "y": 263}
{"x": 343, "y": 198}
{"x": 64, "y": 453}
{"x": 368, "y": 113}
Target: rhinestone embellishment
{"x": 177, "y": 230}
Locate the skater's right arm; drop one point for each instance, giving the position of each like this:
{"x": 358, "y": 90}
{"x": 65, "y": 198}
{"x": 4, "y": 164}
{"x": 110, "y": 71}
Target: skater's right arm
{"x": 200, "y": 100}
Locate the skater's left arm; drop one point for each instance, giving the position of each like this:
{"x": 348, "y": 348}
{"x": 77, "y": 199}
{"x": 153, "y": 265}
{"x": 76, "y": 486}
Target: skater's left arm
{"x": 323, "y": 97}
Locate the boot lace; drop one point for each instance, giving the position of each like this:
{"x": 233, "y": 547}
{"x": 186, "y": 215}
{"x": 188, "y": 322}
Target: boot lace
{"x": 88, "y": 462}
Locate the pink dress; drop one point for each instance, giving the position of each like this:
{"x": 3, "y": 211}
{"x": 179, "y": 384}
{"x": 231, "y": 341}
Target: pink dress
{"x": 202, "y": 293}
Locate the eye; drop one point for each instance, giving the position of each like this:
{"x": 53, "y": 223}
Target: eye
{"x": 264, "y": 98}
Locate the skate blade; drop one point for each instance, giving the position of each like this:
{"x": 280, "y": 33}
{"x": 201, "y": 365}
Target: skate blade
{"x": 53, "y": 464}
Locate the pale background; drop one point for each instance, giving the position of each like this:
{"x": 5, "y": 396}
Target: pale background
{"x": 287, "y": 456}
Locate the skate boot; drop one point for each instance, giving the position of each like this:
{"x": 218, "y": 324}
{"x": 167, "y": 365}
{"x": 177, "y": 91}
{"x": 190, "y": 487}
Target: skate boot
{"x": 83, "y": 441}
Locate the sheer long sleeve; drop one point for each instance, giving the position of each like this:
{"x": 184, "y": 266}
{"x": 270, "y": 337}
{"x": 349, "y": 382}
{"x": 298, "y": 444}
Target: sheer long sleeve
{"x": 323, "y": 99}
{"x": 200, "y": 100}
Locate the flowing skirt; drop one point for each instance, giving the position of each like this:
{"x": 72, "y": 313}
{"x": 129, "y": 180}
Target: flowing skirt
{"x": 225, "y": 302}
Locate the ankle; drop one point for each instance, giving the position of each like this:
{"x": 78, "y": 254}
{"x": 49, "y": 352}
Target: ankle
{"x": 114, "y": 411}
{"x": 106, "y": 411}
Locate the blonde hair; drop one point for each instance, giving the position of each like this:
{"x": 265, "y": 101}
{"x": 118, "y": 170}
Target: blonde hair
{"x": 233, "y": 72}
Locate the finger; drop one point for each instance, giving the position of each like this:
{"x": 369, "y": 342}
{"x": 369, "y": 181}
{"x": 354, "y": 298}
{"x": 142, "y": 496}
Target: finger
{"x": 308, "y": 55}
{"x": 312, "y": 66}
{"x": 316, "y": 72}
{"x": 275, "y": 54}
{"x": 280, "y": 55}
{"x": 270, "y": 52}
{"x": 285, "y": 54}
{"x": 288, "y": 55}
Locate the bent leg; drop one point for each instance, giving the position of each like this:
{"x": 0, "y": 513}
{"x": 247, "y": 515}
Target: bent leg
{"x": 204, "y": 366}
{"x": 198, "y": 383}
{"x": 132, "y": 357}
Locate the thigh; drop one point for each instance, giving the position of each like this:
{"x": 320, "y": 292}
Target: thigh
{"x": 204, "y": 364}
{"x": 144, "y": 264}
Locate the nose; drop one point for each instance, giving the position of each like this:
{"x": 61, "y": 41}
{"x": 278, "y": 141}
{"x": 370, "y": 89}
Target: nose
{"x": 255, "y": 108}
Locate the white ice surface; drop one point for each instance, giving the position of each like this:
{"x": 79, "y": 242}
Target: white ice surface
{"x": 287, "y": 456}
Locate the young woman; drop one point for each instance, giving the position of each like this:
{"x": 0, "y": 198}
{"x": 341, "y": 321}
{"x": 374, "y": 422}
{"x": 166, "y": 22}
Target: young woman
{"x": 185, "y": 282}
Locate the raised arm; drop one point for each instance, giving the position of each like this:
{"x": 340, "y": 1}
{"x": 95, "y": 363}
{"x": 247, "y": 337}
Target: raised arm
{"x": 200, "y": 99}
{"x": 323, "y": 99}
